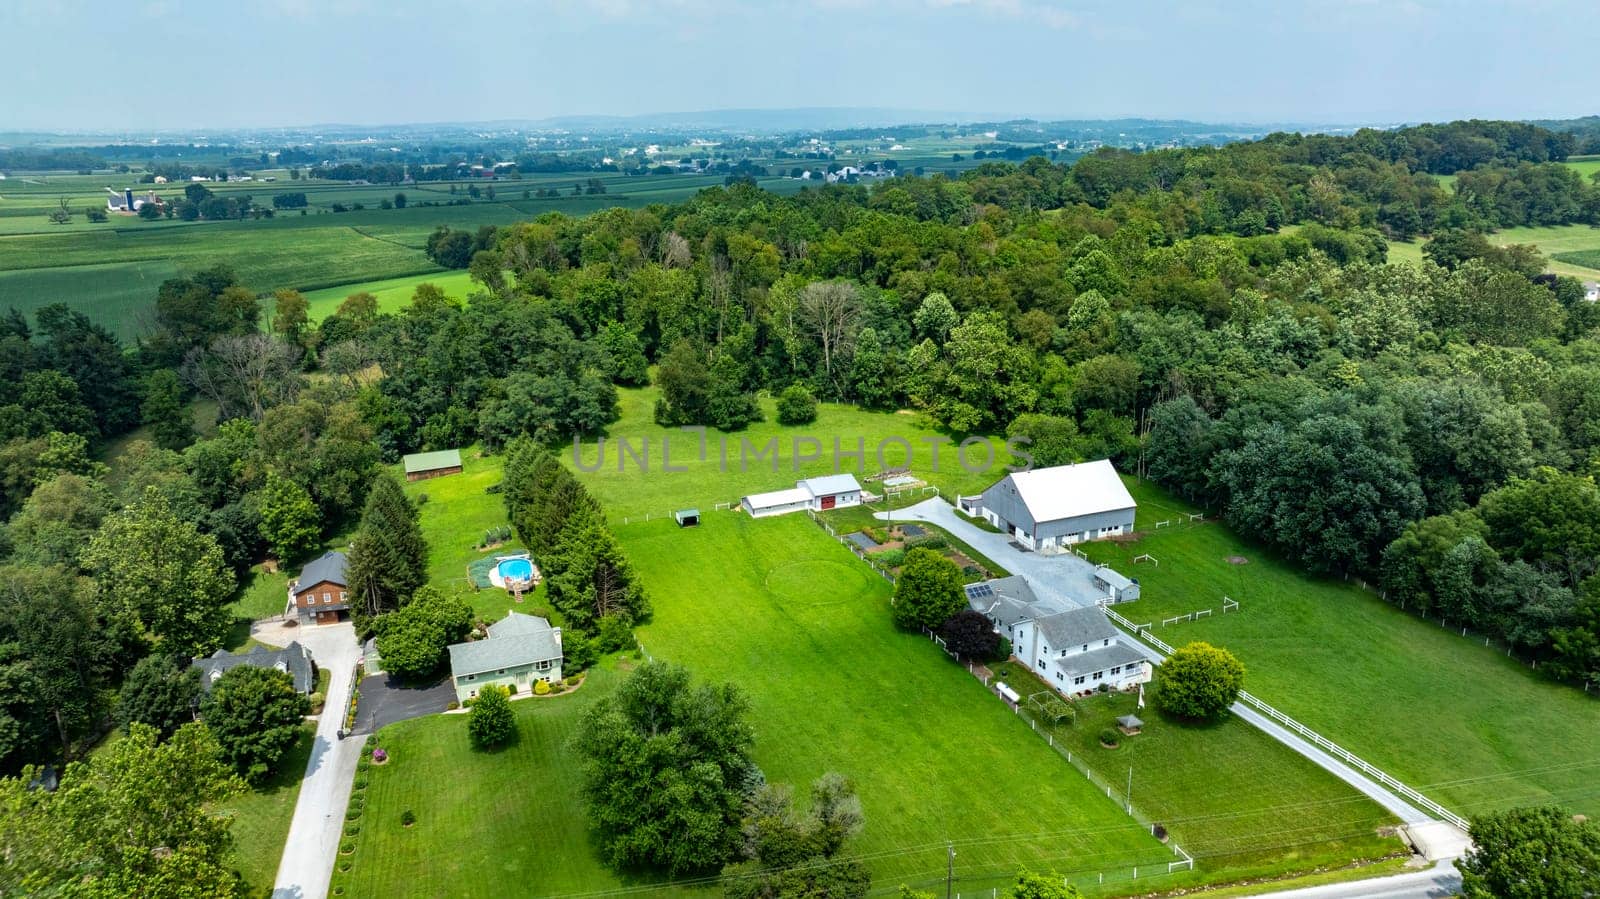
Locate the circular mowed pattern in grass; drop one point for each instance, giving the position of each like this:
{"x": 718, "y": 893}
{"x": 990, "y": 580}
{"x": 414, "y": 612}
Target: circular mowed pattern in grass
{"x": 817, "y": 581}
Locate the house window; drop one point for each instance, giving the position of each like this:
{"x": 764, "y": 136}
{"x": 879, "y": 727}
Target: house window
{"x": 1106, "y": 642}
{"x": 544, "y": 665}
{"x": 470, "y": 677}
{"x": 1047, "y": 650}
{"x": 1116, "y": 669}
{"x": 1099, "y": 675}
{"x": 1059, "y": 677}
{"x": 341, "y": 596}
{"x": 1078, "y": 680}
{"x": 327, "y": 597}
{"x": 501, "y": 671}
{"x": 1085, "y": 647}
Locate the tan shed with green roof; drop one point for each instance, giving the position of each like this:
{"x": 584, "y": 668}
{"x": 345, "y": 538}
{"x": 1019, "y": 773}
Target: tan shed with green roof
{"x": 421, "y": 466}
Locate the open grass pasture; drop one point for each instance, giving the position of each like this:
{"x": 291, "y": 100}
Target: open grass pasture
{"x": 777, "y": 607}
{"x": 1229, "y": 794}
{"x": 1468, "y": 726}
{"x": 631, "y": 492}
{"x": 393, "y": 294}
{"x": 1572, "y": 250}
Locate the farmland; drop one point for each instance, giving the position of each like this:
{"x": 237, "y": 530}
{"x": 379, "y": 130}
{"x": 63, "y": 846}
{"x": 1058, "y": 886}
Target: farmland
{"x": 1463, "y": 723}
{"x": 1572, "y": 250}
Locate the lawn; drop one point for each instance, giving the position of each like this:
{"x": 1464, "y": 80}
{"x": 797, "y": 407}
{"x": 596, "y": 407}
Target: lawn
{"x": 835, "y": 687}
{"x": 1232, "y": 796}
{"x": 261, "y": 818}
{"x": 630, "y": 493}
{"x": 1468, "y": 726}
{"x": 509, "y": 823}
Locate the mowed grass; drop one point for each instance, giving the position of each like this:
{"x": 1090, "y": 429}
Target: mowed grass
{"x": 507, "y": 823}
{"x": 393, "y": 294}
{"x": 1572, "y": 250}
{"x": 780, "y": 609}
{"x": 458, "y": 510}
{"x": 1468, "y": 726}
{"x": 1232, "y": 796}
{"x": 626, "y": 491}
{"x": 261, "y": 818}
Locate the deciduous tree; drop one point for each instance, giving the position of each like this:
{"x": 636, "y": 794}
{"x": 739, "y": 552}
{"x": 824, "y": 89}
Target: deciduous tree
{"x": 928, "y": 591}
{"x": 1199, "y": 681}
{"x": 257, "y": 716}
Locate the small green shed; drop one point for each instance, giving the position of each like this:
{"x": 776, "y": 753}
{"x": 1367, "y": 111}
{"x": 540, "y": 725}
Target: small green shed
{"x": 421, "y": 466}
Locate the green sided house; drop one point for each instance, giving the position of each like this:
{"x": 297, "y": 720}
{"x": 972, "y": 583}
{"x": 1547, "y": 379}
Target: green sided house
{"x": 519, "y": 650}
{"x": 421, "y": 466}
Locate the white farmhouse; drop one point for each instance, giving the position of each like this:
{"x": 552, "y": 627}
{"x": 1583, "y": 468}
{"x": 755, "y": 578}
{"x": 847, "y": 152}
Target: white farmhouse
{"x": 1074, "y": 649}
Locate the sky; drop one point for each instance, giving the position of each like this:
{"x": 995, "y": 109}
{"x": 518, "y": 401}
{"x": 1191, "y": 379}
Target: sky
{"x": 160, "y": 64}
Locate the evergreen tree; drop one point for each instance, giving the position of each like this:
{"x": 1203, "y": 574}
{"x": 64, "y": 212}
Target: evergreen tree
{"x": 590, "y": 580}
{"x": 389, "y": 557}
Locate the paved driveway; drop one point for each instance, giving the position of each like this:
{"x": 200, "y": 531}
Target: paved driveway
{"x": 1065, "y": 576}
{"x": 384, "y": 701}
{"x": 314, "y": 833}
{"x": 1433, "y": 883}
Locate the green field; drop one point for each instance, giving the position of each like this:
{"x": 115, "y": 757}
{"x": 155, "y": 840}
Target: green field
{"x": 392, "y": 293}
{"x": 629, "y": 493}
{"x": 1470, "y": 727}
{"x": 833, "y": 686}
{"x": 1231, "y": 795}
{"x": 1572, "y": 250}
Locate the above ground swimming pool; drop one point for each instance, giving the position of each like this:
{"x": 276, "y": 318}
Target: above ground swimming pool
{"x": 516, "y": 570}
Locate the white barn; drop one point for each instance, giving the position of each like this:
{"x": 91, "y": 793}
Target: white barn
{"x": 1049, "y": 509}
{"x": 834, "y": 491}
{"x": 1074, "y": 649}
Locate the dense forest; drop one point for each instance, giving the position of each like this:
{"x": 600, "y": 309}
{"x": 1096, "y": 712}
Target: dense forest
{"x": 1219, "y": 318}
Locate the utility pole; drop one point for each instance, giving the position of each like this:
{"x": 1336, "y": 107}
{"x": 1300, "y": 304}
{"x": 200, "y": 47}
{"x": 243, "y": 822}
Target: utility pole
{"x": 950, "y": 869}
{"x": 1130, "y": 790}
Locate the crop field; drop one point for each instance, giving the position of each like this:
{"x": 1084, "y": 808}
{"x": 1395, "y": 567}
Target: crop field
{"x": 111, "y": 270}
{"x": 1468, "y": 726}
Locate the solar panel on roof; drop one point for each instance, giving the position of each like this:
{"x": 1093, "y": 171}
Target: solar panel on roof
{"x": 978, "y": 591}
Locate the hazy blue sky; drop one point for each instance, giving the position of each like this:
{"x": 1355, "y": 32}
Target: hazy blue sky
{"x": 188, "y": 63}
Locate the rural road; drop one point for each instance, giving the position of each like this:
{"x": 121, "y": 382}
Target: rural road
{"x": 313, "y": 844}
{"x": 1041, "y": 570}
{"x": 1441, "y": 880}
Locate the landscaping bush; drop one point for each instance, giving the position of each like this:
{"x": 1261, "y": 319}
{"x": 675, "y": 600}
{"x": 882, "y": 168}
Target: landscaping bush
{"x": 496, "y": 487}
{"x": 351, "y": 830}
{"x": 354, "y": 814}
{"x": 361, "y": 783}
{"x": 422, "y": 499}
{"x": 491, "y": 723}
{"x": 511, "y": 689}
{"x": 541, "y": 688}
{"x": 316, "y": 700}
{"x": 347, "y": 847}
{"x": 380, "y": 755}
{"x": 407, "y": 818}
{"x": 1159, "y": 832}
{"x": 1110, "y": 737}
{"x": 929, "y": 541}
{"x": 571, "y": 681}
{"x": 362, "y": 766}
{"x": 452, "y": 705}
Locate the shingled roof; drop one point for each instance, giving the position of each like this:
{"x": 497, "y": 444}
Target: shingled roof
{"x": 514, "y": 640}
{"x": 330, "y": 567}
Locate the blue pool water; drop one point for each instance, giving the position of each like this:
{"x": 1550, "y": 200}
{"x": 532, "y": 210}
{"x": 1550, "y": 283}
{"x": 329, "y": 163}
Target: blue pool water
{"x": 516, "y": 570}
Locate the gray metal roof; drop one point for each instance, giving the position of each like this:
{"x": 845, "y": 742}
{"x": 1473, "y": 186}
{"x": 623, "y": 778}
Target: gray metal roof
{"x": 1113, "y": 578}
{"x": 330, "y": 567}
{"x": 1008, "y": 600}
{"x": 1086, "y": 663}
{"x": 519, "y": 640}
{"x": 1076, "y": 627}
{"x": 830, "y": 484}
{"x": 432, "y": 461}
{"x": 294, "y": 658}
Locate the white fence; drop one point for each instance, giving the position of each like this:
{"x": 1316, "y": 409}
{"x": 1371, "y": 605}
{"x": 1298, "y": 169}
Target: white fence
{"x": 1332, "y": 748}
{"x": 1354, "y": 761}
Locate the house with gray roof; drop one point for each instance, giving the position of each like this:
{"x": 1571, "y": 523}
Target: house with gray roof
{"x": 819, "y": 494}
{"x": 321, "y": 594}
{"x": 518, "y": 651}
{"x": 1074, "y": 649}
{"x": 293, "y": 659}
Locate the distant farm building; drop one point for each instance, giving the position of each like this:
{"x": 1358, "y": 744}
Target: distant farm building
{"x": 126, "y": 202}
{"x": 1049, "y": 509}
{"x": 834, "y": 491}
{"x": 421, "y": 466}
